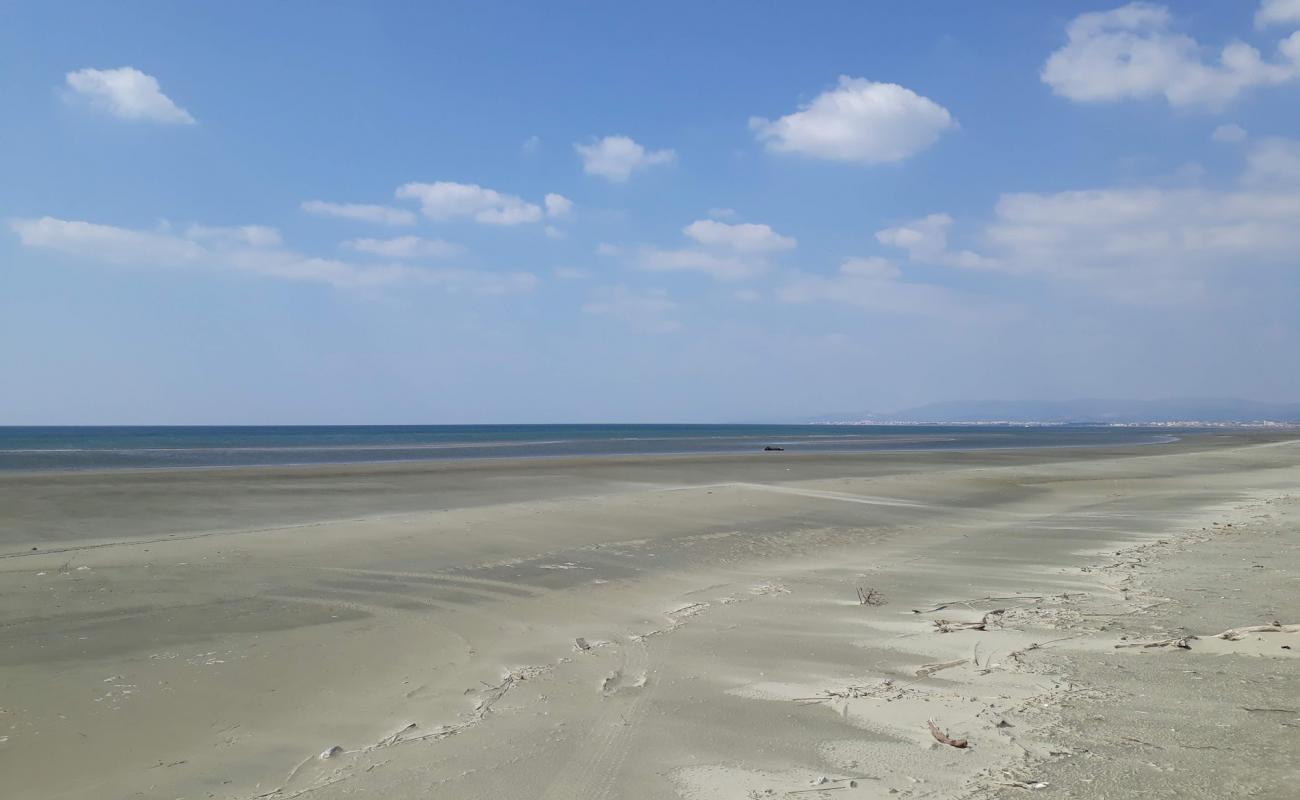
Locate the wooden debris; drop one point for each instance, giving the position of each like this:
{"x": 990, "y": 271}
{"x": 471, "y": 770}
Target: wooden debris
{"x": 991, "y": 599}
{"x": 582, "y": 644}
{"x": 1236, "y": 634}
{"x": 946, "y": 626}
{"x": 944, "y": 738}
{"x": 930, "y": 669}
{"x": 870, "y": 597}
{"x": 1181, "y": 642}
{"x": 1026, "y": 784}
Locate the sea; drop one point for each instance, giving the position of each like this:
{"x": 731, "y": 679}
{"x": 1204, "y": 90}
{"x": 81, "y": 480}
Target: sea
{"x": 144, "y": 447}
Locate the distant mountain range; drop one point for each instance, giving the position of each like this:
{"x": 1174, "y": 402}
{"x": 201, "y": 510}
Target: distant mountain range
{"x": 1094, "y": 411}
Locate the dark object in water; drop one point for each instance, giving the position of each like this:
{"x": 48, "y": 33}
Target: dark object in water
{"x": 773, "y": 447}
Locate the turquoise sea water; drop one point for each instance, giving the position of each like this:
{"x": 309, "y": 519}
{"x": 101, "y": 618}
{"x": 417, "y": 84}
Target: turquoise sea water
{"x": 52, "y": 448}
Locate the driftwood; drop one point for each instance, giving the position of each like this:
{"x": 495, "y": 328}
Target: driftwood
{"x": 946, "y": 626}
{"x": 870, "y": 597}
{"x": 930, "y": 669}
{"x": 1181, "y": 642}
{"x": 992, "y": 599}
{"x": 944, "y": 738}
{"x": 1235, "y": 634}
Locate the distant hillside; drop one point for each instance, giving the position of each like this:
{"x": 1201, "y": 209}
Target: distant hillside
{"x": 1099, "y": 411}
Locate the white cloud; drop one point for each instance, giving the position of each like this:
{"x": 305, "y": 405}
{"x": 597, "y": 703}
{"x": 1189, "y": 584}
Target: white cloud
{"x": 878, "y": 285}
{"x": 571, "y": 274}
{"x": 1229, "y": 132}
{"x": 364, "y": 212}
{"x": 127, "y": 93}
{"x": 557, "y": 205}
{"x": 1157, "y": 245}
{"x": 742, "y": 237}
{"x": 251, "y": 235}
{"x": 617, "y": 157}
{"x": 1132, "y": 52}
{"x": 531, "y": 145}
{"x": 644, "y": 308}
{"x": 104, "y": 242}
{"x": 255, "y": 253}
{"x": 723, "y": 213}
{"x": 1274, "y": 162}
{"x": 405, "y": 247}
{"x": 1278, "y": 12}
{"x": 926, "y": 241}
{"x": 721, "y": 267}
{"x": 607, "y": 249}
{"x": 553, "y": 232}
{"x": 860, "y": 121}
{"x": 443, "y": 200}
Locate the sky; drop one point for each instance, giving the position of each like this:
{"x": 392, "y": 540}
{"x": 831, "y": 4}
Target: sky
{"x": 491, "y": 212}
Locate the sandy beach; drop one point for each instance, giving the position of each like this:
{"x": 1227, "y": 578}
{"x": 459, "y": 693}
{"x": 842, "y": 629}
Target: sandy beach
{"x": 920, "y": 624}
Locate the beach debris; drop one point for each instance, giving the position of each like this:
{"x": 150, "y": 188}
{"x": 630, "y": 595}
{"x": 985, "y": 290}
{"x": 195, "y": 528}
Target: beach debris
{"x": 1180, "y": 642}
{"x": 581, "y": 644}
{"x": 944, "y": 738}
{"x": 1026, "y": 784}
{"x": 990, "y": 618}
{"x": 773, "y": 449}
{"x": 330, "y": 752}
{"x": 870, "y": 597}
{"x": 1237, "y": 634}
{"x": 992, "y": 599}
{"x": 930, "y": 669}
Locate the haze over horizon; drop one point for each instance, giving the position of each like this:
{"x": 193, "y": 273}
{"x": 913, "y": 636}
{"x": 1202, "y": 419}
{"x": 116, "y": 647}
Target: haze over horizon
{"x": 393, "y": 213}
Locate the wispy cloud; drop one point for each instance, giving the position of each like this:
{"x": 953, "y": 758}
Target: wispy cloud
{"x": 444, "y": 200}
{"x": 362, "y": 212}
{"x": 251, "y": 249}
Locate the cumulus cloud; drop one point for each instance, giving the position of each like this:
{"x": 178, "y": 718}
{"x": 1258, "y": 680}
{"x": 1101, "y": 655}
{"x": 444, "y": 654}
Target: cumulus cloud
{"x": 859, "y": 121}
{"x": 1133, "y": 52}
{"x": 649, "y": 309}
{"x": 128, "y": 93}
{"x": 742, "y": 237}
{"x": 444, "y": 200}
{"x": 617, "y": 157}
{"x": 926, "y": 240}
{"x": 1278, "y": 12}
{"x": 363, "y": 212}
{"x": 405, "y": 247}
{"x": 557, "y": 205}
{"x": 248, "y": 249}
{"x": 1230, "y": 132}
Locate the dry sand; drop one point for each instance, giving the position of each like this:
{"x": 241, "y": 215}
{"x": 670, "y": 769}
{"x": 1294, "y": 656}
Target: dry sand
{"x": 659, "y": 628}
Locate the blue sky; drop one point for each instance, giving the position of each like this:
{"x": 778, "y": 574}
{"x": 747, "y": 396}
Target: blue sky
{"x": 510, "y": 212}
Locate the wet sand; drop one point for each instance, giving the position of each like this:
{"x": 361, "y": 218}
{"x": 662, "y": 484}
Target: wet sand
{"x": 670, "y": 627}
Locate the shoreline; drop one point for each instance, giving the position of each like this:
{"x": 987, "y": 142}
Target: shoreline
{"x": 727, "y": 651}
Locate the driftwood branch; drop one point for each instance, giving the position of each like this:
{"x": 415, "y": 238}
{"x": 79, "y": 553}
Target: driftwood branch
{"x": 1181, "y": 642}
{"x": 930, "y": 669}
{"x": 992, "y": 617}
{"x": 1234, "y": 634}
{"x": 944, "y": 738}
